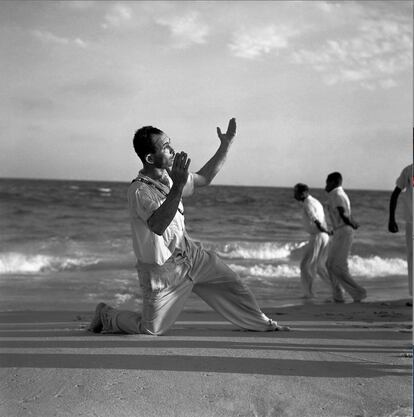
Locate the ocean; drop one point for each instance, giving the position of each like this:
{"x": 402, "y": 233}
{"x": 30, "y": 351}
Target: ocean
{"x": 66, "y": 245}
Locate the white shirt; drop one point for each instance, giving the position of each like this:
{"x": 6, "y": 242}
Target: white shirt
{"x": 145, "y": 195}
{"x": 405, "y": 183}
{"x": 338, "y": 198}
{"x": 312, "y": 210}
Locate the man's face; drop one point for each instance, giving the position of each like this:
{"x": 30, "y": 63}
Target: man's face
{"x": 300, "y": 195}
{"x": 297, "y": 194}
{"x": 330, "y": 185}
{"x": 163, "y": 157}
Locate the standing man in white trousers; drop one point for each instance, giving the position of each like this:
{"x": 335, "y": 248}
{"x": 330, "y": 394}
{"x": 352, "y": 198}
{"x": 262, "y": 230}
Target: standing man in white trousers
{"x": 313, "y": 263}
{"x": 339, "y": 208}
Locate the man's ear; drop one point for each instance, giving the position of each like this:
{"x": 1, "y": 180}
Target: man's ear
{"x": 149, "y": 159}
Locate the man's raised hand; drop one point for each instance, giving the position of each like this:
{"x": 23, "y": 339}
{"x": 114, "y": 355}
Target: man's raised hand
{"x": 179, "y": 170}
{"x": 227, "y": 137}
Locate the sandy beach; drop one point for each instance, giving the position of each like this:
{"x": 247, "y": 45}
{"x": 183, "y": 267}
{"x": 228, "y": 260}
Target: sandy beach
{"x": 338, "y": 360}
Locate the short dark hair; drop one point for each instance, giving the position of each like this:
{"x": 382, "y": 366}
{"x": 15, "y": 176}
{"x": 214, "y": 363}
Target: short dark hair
{"x": 143, "y": 144}
{"x": 301, "y": 188}
{"x": 335, "y": 177}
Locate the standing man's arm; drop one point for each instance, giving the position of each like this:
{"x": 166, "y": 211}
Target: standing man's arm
{"x": 321, "y": 228}
{"x": 313, "y": 217}
{"x": 392, "y": 224}
{"x": 347, "y": 219}
{"x": 206, "y": 174}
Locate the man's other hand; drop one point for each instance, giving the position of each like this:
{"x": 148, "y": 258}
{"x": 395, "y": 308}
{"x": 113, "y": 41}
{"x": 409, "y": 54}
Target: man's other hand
{"x": 392, "y": 227}
{"x": 179, "y": 170}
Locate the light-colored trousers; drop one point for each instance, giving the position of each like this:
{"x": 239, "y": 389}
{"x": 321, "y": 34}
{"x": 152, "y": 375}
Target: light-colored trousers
{"x": 409, "y": 240}
{"x": 313, "y": 263}
{"x": 337, "y": 264}
{"x": 204, "y": 274}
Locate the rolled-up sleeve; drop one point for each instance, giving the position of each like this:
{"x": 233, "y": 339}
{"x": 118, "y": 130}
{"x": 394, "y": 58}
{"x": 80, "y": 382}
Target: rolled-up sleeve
{"x": 400, "y": 183}
{"x": 189, "y": 186}
{"x": 404, "y": 179}
{"x": 144, "y": 204}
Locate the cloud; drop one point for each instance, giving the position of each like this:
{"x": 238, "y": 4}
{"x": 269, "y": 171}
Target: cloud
{"x": 51, "y": 38}
{"x": 255, "y": 42}
{"x": 377, "y": 52}
{"x": 118, "y": 15}
{"x": 185, "y": 30}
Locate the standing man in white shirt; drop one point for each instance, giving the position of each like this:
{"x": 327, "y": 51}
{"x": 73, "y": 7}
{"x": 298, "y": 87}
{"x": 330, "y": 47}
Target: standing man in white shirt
{"x": 404, "y": 187}
{"x": 339, "y": 208}
{"x": 313, "y": 263}
{"x": 170, "y": 264}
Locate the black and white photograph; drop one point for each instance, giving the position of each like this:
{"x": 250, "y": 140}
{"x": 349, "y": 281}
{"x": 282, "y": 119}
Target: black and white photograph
{"x": 206, "y": 208}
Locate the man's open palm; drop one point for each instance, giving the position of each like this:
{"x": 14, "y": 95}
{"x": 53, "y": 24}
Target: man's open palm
{"x": 227, "y": 137}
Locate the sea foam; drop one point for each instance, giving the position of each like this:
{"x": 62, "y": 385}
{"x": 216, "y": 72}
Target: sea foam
{"x": 13, "y": 263}
{"x": 258, "y": 250}
{"x": 376, "y": 266}
{"x": 371, "y": 267}
{"x": 267, "y": 271}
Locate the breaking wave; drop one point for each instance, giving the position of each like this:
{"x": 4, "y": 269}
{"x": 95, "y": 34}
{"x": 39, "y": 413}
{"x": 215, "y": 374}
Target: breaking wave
{"x": 269, "y": 271}
{"x": 249, "y": 264}
{"x": 376, "y": 266}
{"x": 17, "y": 263}
{"x": 258, "y": 250}
{"x": 372, "y": 267}
{"x": 25, "y": 264}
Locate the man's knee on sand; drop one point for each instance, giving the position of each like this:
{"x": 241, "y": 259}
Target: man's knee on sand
{"x": 154, "y": 328}
{"x": 147, "y": 328}
{"x": 152, "y": 332}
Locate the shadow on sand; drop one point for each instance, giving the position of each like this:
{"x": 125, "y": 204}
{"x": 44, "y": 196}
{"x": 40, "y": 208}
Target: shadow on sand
{"x": 324, "y": 341}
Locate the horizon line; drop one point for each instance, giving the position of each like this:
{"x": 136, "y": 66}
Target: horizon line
{"x": 211, "y": 185}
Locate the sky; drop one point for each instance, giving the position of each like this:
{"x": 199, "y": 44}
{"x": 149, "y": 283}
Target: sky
{"x": 315, "y": 87}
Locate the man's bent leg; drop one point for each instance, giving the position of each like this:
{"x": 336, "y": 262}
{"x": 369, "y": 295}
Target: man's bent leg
{"x": 161, "y": 309}
{"x": 339, "y": 264}
{"x": 221, "y": 288}
{"x": 332, "y": 261}
{"x": 322, "y": 245}
{"x": 306, "y": 277}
